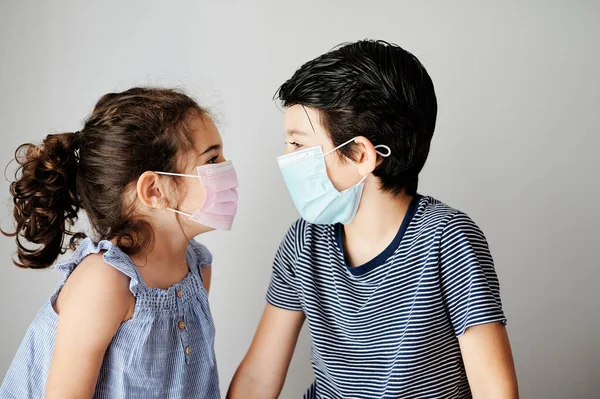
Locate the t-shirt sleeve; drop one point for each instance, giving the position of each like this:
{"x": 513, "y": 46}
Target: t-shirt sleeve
{"x": 283, "y": 289}
{"x": 470, "y": 286}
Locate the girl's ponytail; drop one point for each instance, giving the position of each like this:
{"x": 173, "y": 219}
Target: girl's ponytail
{"x": 45, "y": 199}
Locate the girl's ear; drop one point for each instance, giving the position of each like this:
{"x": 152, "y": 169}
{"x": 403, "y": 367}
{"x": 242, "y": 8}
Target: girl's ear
{"x": 149, "y": 192}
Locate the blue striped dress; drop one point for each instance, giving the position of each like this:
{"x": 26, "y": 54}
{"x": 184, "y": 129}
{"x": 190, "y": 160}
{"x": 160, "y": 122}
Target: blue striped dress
{"x": 164, "y": 351}
{"x": 390, "y": 328}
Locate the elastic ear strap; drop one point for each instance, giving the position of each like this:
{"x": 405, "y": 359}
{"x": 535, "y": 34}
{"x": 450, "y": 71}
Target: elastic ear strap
{"x": 385, "y": 155}
{"x": 176, "y": 174}
{"x": 389, "y": 151}
{"x": 338, "y": 147}
{"x": 180, "y": 212}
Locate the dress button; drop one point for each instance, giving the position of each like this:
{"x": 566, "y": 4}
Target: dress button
{"x": 181, "y": 325}
{"x": 179, "y": 294}
{"x": 188, "y": 350}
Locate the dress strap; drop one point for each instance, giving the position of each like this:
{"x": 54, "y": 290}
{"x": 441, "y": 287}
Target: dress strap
{"x": 198, "y": 256}
{"x": 112, "y": 255}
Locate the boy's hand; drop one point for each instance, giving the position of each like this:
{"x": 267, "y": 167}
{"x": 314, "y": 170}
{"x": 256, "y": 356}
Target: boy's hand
{"x": 262, "y": 372}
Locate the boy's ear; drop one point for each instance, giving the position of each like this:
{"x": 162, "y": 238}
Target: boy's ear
{"x": 149, "y": 191}
{"x": 366, "y": 157}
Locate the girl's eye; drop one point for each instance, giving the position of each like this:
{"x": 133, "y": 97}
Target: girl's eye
{"x": 213, "y": 159}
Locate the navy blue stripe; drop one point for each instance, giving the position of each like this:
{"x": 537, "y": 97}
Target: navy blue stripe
{"x": 386, "y": 253}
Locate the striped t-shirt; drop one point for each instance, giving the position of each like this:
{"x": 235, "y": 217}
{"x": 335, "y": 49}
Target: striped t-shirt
{"x": 389, "y": 328}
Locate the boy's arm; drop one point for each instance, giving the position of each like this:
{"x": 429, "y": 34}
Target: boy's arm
{"x": 471, "y": 294}
{"x": 206, "y": 275}
{"x": 488, "y": 362}
{"x": 262, "y": 372}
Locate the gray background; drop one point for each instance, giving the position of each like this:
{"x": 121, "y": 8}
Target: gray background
{"x": 515, "y": 147}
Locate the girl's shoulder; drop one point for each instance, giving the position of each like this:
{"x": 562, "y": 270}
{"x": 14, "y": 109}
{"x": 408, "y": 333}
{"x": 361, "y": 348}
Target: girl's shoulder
{"x": 96, "y": 284}
{"x": 102, "y": 257}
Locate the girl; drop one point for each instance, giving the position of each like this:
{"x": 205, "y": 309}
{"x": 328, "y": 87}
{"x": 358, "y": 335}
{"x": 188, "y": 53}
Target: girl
{"x": 130, "y": 317}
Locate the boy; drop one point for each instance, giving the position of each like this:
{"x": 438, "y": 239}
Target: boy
{"x": 399, "y": 290}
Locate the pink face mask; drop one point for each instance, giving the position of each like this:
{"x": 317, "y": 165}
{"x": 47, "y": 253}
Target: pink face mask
{"x": 220, "y": 202}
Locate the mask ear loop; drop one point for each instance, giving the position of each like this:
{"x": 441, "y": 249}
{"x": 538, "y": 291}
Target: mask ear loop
{"x": 387, "y": 154}
{"x": 180, "y": 212}
{"x": 181, "y": 175}
{"x": 339, "y": 146}
{"x": 176, "y": 174}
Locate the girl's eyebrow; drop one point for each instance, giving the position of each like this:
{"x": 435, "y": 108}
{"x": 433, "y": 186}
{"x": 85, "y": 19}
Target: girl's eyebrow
{"x": 215, "y": 147}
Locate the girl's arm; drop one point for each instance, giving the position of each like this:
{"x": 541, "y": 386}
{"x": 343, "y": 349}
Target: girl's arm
{"x": 262, "y": 372}
{"x": 92, "y": 304}
{"x": 488, "y": 362}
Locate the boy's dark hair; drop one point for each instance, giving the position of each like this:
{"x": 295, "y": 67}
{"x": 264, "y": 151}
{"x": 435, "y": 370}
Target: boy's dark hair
{"x": 377, "y": 90}
{"x": 128, "y": 133}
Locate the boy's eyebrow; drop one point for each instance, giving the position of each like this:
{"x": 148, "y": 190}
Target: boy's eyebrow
{"x": 211, "y": 148}
{"x": 296, "y": 131}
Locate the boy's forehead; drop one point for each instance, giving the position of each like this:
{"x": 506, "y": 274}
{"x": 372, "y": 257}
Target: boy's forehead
{"x": 302, "y": 121}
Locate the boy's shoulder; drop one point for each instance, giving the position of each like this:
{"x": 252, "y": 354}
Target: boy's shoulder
{"x": 435, "y": 210}
{"x": 436, "y": 216}
{"x": 447, "y": 223}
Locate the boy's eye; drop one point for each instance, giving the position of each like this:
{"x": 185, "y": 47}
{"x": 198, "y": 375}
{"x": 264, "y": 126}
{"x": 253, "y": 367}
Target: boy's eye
{"x": 294, "y": 144}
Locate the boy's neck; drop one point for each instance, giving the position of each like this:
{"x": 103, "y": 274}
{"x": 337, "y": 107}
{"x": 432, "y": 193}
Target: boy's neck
{"x": 375, "y": 225}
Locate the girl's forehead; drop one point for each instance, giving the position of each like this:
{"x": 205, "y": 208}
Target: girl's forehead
{"x": 205, "y": 132}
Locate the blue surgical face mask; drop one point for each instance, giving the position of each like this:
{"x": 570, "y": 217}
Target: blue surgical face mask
{"x": 313, "y": 193}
